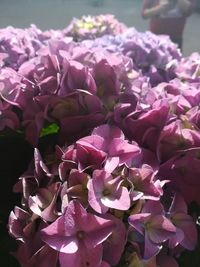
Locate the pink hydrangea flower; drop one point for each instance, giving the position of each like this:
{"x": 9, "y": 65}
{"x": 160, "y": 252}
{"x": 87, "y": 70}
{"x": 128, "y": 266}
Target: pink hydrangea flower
{"x": 111, "y": 140}
{"x": 78, "y": 236}
{"x": 144, "y": 183}
{"x": 186, "y": 232}
{"x": 112, "y": 242}
{"x": 183, "y": 172}
{"x": 176, "y": 136}
{"x": 153, "y": 226}
{"x": 106, "y": 147}
{"x": 106, "y": 192}
{"x": 43, "y": 203}
{"x": 144, "y": 126}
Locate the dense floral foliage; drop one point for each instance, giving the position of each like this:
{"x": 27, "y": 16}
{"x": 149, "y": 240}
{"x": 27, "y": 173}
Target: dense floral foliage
{"x": 114, "y": 187}
{"x": 91, "y": 27}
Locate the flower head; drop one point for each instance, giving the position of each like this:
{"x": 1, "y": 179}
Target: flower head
{"x": 78, "y": 236}
{"x": 186, "y": 232}
{"x": 106, "y": 192}
{"x": 153, "y": 226}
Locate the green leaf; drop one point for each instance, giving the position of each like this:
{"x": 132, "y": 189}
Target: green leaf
{"x": 50, "y": 129}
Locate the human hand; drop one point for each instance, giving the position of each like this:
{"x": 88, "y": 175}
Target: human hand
{"x": 164, "y": 2}
{"x": 164, "y": 5}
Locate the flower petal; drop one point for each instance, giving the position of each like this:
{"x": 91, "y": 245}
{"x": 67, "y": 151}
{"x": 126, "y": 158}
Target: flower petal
{"x": 60, "y": 243}
{"x": 150, "y": 249}
{"x": 97, "y": 229}
{"x": 137, "y": 221}
{"x": 111, "y": 164}
{"x": 82, "y": 258}
{"x": 160, "y": 229}
{"x": 119, "y": 201}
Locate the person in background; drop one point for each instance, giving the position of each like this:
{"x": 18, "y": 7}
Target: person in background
{"x": 168, "y": 17}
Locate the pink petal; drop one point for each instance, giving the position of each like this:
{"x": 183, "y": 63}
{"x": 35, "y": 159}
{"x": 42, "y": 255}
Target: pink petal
{"x": 75, "y": 216}
{"x": 176, "y": 239}
{"x": 92, "y": 141}
{"x": 160, "y": 229}
{"x": 186, "y": 224}
{"x": 98, "y": 180}
{"x": 111, "y": 164}
{"x": 135, "y": 195}
{"x": 94, "y": 198}
{"x": 113, "y": 244}
{"x": 137, "y": 221}
{"x": 120, "y": 201}
{"x": 178, "y": 204}
{"x": 108, "y": 132}
{"x": 153, "y": 207}
{"x": 123, "y": 150}
{"x": 43, "y": 257}
{"x": 150, "y": 249}
{"x": 72, "y": 260}
{"x": 49, "y": 214}
{"x": 34, "y": 206}
{"x": 63, "y": 244}
{"x": 104, "y": 264}
{"x": 151, "y": 191}
{"x": 17, "y": 221}
{"x": 97, "y": 229}
{"x": 82, "y": 258}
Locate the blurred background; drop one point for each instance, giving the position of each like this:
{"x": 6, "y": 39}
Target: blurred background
{"x": 56, "y": 14}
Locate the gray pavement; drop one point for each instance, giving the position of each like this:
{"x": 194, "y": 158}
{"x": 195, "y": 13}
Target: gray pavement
{"x": 56, "y": 14}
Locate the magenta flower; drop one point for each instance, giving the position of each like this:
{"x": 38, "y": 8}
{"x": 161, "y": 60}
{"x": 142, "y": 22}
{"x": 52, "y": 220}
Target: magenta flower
{"x": 76, "y": 187}
{"x": 175, "y": 137}
{"x": 104, "y": 264}
{"x": 31, "y": 251}
{"x": 144, "y": 184}
{"x": 112, "y": 248}
{"x": 34, "y": 117}
{"x": 10, "y": 86}
{"x": 153, "y": 226}
{"x": 78, "y": 236}
{"x": 43, "y": 73}
{"x": 124, "y": 112}
{"x": 106, "y": 192}
{"x": 186, "y": 232}
{"x": 146, "y": 157}
{"x": 8, "y": 118}
{"x": 188, "y": 68}
{"x": 107, "y": 81}
{"x": 183, "y": 172}
{"x": 29, "y": 255}
{"x": 106, "y": 146}
{"x": 76, "y": 76}
{"x": 145, "y": 126}
{"x": 17, "y": 223}
{"x": 193, "y": 116}
{"x": 43, "y": 203}
{"x": 111, "y": 141}
{"x": 76, "y": 113}
{"x": 82, "y": 156}
{"x": 36, "y": 176}
{"x": 91, "y": 27}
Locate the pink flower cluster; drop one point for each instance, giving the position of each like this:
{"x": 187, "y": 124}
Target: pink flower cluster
{"x": 91, "y": 27}
{"x": 115, "y": 186}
